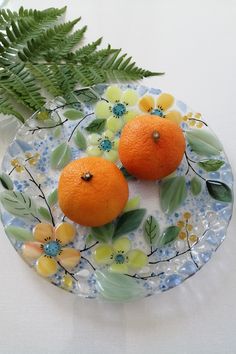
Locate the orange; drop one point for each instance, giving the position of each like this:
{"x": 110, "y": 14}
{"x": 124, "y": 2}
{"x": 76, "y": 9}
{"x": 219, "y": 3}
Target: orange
{"x": 151, "y": 147}
{"x": 92, "y": 191}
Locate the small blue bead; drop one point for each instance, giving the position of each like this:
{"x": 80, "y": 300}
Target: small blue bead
{"x": 205, "y": 256}
{"x": 173, "y": 280}
{"x": 188, "y": 268}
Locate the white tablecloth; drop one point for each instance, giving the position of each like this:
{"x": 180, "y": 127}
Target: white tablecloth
{"x": 194, "y": 43}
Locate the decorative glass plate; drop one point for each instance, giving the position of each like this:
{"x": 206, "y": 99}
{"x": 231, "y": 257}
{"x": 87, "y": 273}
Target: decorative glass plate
{"x": 168, "y": 230}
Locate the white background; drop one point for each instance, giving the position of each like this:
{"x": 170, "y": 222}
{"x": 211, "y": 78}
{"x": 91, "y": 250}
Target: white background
{"x": 194, "y": 42}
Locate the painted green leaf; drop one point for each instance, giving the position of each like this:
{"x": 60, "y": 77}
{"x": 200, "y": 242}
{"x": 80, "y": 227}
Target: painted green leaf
{"x": 128, "y": 222}
{"x": 151, "y": 230}
{"x": 118, "y": 287}
{"x": 80, "y": 140}
{"x": 132, "y": 203}
{"x": 219, "y": 191}
{"x": 173, "y": 192}
{"x": 19, "y": 204}
{"x": 211, "y": 165}
{"x": 96, "y": 126}
{"x": 169, "y": 235}
{"x": 87, "y": 95}
{"x": 50, "y": 122}
{"x": 60, "y": 156}
{"x": 203, "y": 142}
{"x": 44, "y": 213}
{"x": 195, "y": 185}
{"x": 19, "y": 233}
{"x": 103, "y": 233}
{"x": 57, "y": 132}
{"x": 126, "y": 174}
{"x": 73, "y": 114}
{"x": 53, "y": 198}
{"x": 6, "y": 181}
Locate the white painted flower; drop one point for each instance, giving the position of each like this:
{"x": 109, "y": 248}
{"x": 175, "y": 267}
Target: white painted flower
{"x": 104, "y": 145}
{"x": 117, "y": 108}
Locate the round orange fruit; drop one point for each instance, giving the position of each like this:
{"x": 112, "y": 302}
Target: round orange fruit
{"x": 151, "y": 147}
{"x": 92, "y": 191}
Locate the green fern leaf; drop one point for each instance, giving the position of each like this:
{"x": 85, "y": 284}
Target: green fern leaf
{"x": 36, "y": 47}
{"x": 20, "y": 82}
{"x": 24, "y": 28}
{"x": 83, "y": 53}
{"x": 91, "y": 75}
{"x": 86, "y": 76}
{"x": 121, "y": 68}
{"x": 7, "y": 16}
{"x": 7, "y": 108}
{"x": 100, "y": 56}
{"x": 12, "y": 96}
{"x": 128, "y": 74}
{"x": 65, "y": 46}
{"x": 36, "y": 52}
{"x": 110, "y": 67}
{"x": 64, "y": 75}
{"x": 46, "y": 77}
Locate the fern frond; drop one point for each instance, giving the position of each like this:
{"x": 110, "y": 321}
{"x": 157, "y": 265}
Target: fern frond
{"x": 65, "y": 46}
{"x": 82, "y": 54}
{"x": 7, "y": 108}
{"x": 10, "y": 92}
{"x": 118, "y": 67}
{"x": 64, "y": 75}
{"x": 36, "y": 48}
{"x": 20, "y": 83}
{"x": 7, "y": 16}
{"x": 85, "y": 75}
{"x": 129, "y": 74}
{"x": 98, "y": 57}
{"x": 46, "y": 77}
{"x": 36, "y": 52}
{"x": 109, "y": 66}
{"x": 19, "y": 31}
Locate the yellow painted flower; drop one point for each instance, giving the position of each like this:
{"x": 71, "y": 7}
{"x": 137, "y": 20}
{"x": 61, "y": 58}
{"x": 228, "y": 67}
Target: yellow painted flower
{"x": 193, "y": 119}
{"x": 32, "y": 159}
{"x": 18, "y": 167}
{"x": 160, "y": 107}
{"x": 186, "y": 229}
{"x": 117, "y": 108}
{"x": 104, "y": 145}
{"x": 120, "y": 257}
{"x": 48, "y": 249}
{"x": 182, "y": 235}
{"x": 187, "y": 215}
{"x": 193, "y": 238}
{"x": 180, "y": 224}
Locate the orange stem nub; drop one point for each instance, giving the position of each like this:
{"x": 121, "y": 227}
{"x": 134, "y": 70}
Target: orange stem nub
{"x": 87, "y": 176}
{"x": 155, "y": 136}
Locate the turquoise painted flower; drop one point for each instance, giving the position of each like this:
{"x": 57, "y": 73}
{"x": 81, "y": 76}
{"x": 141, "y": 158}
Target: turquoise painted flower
{"x": 104, "y": 145}
{"x": 117, "y": 108}
{"x": 120, "y": 257}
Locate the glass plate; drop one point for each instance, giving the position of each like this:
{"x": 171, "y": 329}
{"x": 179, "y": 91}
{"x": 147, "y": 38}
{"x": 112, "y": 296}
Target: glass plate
{"x": 170, "y": 228}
